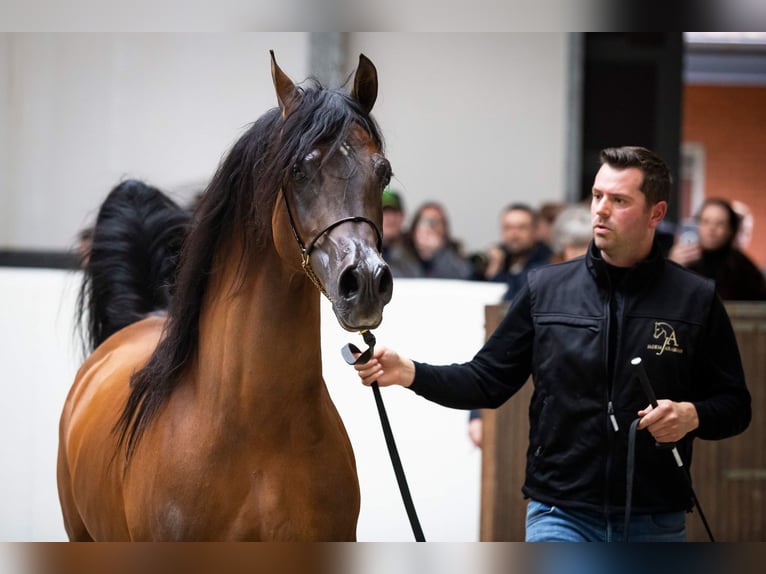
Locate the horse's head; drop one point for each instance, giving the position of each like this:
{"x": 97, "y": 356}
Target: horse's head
{"x": 331, "y": 193}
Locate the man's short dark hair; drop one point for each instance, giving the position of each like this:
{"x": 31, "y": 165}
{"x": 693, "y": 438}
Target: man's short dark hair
{"x": 523, "y": 207}
{"x": 657, "y": 179}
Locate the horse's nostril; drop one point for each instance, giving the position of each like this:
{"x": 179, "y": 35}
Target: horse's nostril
{"x": 348, "y": 286}
{"x": 356, "y": 282}
{"x": 385, "y": 281}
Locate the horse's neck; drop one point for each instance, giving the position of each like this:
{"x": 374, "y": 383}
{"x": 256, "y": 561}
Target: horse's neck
{"x": 259, "y": 338}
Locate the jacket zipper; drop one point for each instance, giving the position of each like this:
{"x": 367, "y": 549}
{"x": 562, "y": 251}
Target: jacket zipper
{"x": 612, "y": 418}
{"x": 611, "y": 423}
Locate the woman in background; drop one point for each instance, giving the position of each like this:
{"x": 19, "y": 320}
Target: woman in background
{"x": 716, "y": 256}
{"x": 437, "y": 253}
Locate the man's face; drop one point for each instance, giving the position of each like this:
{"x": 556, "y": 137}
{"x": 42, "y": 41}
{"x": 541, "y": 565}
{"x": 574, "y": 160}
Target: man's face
{"x": 517, "y": 231}
{"x": 392, "y": 224}
{"x": 623, "y": 223}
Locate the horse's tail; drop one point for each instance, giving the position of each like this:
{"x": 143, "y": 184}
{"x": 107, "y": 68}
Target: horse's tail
{"x": 130, "y": 264}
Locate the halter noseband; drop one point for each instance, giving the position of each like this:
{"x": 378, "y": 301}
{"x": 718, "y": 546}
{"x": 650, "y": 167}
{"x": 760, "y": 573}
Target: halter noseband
{"x": 307, "y": 249}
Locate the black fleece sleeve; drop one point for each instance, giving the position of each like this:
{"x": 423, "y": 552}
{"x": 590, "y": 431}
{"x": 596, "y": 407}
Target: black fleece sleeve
{"x": 496, "y": 372}
{"x": 720, "y": 394}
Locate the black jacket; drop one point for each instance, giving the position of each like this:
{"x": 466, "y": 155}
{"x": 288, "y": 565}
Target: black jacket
{"x": 558, "y": 330}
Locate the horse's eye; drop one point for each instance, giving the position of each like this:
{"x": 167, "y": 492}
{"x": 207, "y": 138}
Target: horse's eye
{"x": 382, "y": 169}
{"x": 298, "y": 173}
{"x": 309, "y": 164}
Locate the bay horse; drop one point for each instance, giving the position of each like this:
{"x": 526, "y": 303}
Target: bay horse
{"x": 214, "y": 423}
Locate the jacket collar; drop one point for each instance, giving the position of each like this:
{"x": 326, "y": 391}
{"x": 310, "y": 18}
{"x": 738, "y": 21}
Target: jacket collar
{"x": 636, "y": 277}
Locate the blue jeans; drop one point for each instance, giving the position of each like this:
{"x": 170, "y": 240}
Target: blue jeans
{"x": 553, "y": 524}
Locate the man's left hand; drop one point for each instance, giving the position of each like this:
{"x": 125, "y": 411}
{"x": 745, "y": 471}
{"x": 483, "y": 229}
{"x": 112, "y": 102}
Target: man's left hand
{"x": 670, "y": 421}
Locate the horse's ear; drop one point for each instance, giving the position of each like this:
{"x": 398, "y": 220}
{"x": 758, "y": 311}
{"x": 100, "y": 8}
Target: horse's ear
{"x": 365, "y": 84}
{"x": 287, "y": 93}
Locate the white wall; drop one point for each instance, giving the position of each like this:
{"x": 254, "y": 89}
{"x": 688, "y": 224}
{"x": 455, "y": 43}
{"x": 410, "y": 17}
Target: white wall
{"x": 5, "y": 234}
{"x": 85, "y": 110}
{"x": 473, "y": 120}
{"x": 38, "y": 361}
{"x": 476, "y": 121}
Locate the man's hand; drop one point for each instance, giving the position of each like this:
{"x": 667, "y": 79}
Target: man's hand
{"x": 476, "y": 430}
{"x": 670, "y": 421}
{"x": 685, "y": 253}
{"x": 387, "y": 368}
{"x": 495, "y": 258}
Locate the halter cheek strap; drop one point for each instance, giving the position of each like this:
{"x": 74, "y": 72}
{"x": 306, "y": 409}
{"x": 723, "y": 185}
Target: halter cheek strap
{"x": 307, "y": 249}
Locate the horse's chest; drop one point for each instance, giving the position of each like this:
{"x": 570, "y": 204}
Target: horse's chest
{"x": 281, "y": 497}
{"x": 303, "y": 502}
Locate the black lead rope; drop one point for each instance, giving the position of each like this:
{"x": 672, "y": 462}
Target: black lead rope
{"x": 640, "y": 374}
{"x": 348, "y": 352}
{"x": 630, "y": 473}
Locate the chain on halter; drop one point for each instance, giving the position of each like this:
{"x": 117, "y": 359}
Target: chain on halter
{"x": 309, "y": 271}
{"x": 307, "y": 249}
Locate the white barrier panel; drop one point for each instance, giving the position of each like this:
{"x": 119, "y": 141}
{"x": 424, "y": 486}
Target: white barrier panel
{"x": 38, "y": 361}
{"x": 437, "y": 321}
{"x": 430, "y": 320}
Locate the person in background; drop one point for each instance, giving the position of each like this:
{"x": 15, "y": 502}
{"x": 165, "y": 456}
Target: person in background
{"x": 396, "y": 253}
{"x": 546, "y": 219}
{"x": 575, "y": 328}
{"x": 746, "y": 224}
{"x": 571, "y": 233}
{"x": 716, "y": 256}
{"x": 518, "y": 251}
{"x": 437, "y": 253}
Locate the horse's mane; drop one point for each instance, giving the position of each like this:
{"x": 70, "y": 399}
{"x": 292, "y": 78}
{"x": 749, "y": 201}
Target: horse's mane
{"x": 130, "y": 264}
{"x": 239, "y": 199}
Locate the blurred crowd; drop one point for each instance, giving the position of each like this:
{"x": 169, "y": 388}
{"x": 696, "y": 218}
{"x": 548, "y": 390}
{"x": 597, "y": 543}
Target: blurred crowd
{"x": 711, "y": 244}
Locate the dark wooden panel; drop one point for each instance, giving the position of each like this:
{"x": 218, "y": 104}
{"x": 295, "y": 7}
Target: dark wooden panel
{"x": 730, "y": 476}
{"x": 505, "y": 440}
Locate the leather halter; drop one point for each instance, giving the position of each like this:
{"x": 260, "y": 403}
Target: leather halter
{"x": 307, "y": 249}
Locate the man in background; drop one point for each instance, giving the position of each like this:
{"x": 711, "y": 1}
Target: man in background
{"x": 518, "y": 251}
{"x": 396, "y": 254}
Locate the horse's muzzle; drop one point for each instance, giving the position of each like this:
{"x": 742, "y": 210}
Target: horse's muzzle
{"x": 357, "y": 283}
{"x": 363, "y": 288}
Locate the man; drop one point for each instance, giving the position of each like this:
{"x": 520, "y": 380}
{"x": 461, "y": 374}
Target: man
{"x": 575, "y": 327}
{"x": 518, "y": 252}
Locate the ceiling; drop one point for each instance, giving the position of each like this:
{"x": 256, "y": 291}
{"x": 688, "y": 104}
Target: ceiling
{"x": 725, "y": 58}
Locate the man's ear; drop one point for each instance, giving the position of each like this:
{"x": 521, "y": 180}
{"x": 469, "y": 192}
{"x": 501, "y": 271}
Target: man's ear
{"x": 658, "y": 212}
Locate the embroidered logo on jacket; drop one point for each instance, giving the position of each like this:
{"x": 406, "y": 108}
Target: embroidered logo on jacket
{"x": 666, "y": 337}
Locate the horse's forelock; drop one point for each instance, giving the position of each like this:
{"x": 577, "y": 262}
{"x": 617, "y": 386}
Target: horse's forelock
{"x": 322, "y": 117}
